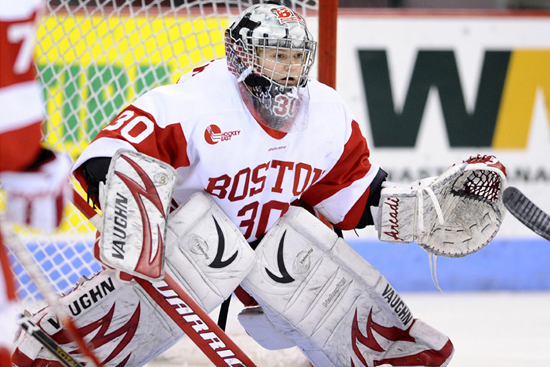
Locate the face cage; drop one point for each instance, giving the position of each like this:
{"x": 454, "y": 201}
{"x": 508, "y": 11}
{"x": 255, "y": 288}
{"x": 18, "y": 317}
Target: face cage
{"x": 265, "y": 98}
{"x": 282, "y": 63}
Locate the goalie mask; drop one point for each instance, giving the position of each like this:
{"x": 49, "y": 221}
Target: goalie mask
{"x": 270, "y": 51}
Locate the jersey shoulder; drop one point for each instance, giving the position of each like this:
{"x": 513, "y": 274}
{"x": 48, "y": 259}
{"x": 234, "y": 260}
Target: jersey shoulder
{"x": 328, "y": 111}
{"x": 211, "y": 82}
{"x": 323, "y": 92}
{"x": 326, "y": 100}
{"x": 207, "y": 88}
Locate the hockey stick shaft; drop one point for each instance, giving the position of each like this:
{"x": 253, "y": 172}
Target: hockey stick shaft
{"x": 186, "y": 313}
{"x": 48, "y": 343}
{"x": 195, "y": 322}
{"x": 527, "y": 212}
{"x": 89, "y": 212}
{"x": 45, "y": 288}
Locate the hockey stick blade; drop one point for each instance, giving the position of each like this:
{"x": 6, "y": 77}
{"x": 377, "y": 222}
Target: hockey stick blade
{"x": 527, "y": 212}
{"x": 48, "y": 343}
{"x": 43, "y": 285}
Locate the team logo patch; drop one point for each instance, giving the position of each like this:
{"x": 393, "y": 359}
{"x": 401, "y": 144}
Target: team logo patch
{"x": 285, "y": 276}
{"x": 286, "y": 15}
{"x": 199, "y": 246}
{"x": 214, "y": 135}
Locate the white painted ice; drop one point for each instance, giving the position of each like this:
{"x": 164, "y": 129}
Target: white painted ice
{"x": 500, "y": 329}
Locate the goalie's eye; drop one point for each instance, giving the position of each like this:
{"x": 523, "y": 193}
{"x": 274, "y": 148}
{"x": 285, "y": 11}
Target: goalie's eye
{"x": 281, "y": 56}
{"x": 273, "y": 54}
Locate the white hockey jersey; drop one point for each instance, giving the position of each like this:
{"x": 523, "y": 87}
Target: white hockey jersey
{"x": 204, "y": 130}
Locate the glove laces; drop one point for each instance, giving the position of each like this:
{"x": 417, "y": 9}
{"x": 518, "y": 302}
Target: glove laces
{"x": 422, "y": 187}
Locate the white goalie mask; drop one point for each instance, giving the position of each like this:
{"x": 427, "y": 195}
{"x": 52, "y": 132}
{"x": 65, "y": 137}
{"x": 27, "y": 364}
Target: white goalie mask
{"x": 270, "y": 51}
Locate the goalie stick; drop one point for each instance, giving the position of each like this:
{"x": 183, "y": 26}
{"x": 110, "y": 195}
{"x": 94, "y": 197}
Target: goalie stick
{"x": 222, "y": 356}
{"x": 48, "y": 343}
{"x": 45, "y": 288}
{"x": 527, "y": 212}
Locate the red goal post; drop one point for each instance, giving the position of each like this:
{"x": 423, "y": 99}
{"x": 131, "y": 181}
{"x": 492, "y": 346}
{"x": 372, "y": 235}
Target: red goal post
{"x": 95, "y": 57}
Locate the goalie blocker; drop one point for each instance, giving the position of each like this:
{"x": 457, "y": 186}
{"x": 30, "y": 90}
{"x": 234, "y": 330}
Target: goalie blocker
{"x": 317, "y": 293}
{"x": 135, "y": 206}
{"x": 206, "y": 255}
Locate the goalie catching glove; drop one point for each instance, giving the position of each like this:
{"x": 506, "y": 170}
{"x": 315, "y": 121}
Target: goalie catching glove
{"x": 453, "y": 215}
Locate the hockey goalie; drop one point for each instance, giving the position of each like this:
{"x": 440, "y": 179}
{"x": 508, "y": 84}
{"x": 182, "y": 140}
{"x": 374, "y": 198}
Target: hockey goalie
{"x": 203, "y": 187}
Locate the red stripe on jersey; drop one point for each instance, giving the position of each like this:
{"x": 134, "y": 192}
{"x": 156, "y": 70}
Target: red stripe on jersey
{"x": 353, "y": 165}
{"x": 273, "y": 133}
{"x": 20, "y": 148}
{"x": 167, "y": 144}
{"x": 351, "y": 220}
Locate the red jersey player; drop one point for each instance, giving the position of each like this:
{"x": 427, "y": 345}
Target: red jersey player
{"x": 34, "y": 179}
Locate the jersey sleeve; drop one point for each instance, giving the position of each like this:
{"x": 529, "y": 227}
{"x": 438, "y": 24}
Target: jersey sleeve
{"x": 343, "y": 193}
{"x": 138, "y": 130}
{"x": 141, "y": 130}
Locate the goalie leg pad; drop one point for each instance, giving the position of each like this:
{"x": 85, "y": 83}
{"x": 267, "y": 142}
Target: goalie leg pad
{"x": 206, "y": 253}
{"x": 336, "y": 307}
{"x": 122, "y": 323}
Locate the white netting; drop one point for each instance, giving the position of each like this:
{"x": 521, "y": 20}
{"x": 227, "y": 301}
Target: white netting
{"x": 93, "y": 58}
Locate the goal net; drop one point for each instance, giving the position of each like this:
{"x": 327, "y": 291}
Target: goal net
{"x": 93, "y": 58}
